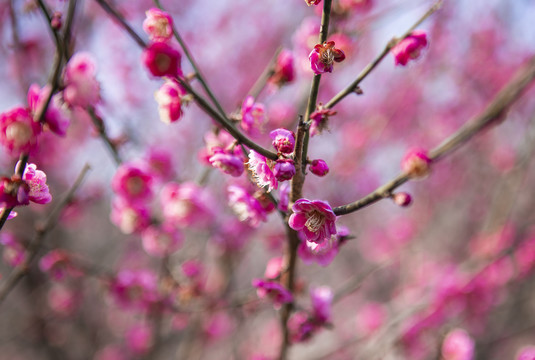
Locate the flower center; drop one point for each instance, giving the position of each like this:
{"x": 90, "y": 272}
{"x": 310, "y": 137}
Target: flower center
{"x": 163, "y": 62}
{"x": 315, "y": 221}
{"x": 134, "y": 185}
{"x": 19, "y": 133}
{"x": 327, "y": 57}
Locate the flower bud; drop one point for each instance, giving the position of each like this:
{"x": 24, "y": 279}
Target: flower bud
{"x": 416, "y": 163}
{"x": 284, "y": 169}
{"x": 319, "y": 167}
{"x": 402, "y": 199}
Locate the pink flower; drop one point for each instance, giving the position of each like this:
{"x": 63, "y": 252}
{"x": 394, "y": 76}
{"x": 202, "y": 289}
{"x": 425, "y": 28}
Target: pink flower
{"x": 58, "y": 264}
{"x": 313, "y": 218}
{"x": 322, "y": 253}
{"x": 161, "y": 241}
{"x": 135, "y": 288}
{"x": 318, "y": 167}
{"x": 359, "y": 5}
{"x": 312, "y": 2}
{"x": 139, "y": 339}
{"x": 81, "y": 86}
{"x": 284, "y": 69}
{"x": 322, "y": 298}
{"x": 192, "y": 268}
{"x": 14, "y": 253}
{"x": 410, "y": 47}
{"x": 169, "y": 99}
{"x": 18, "y": 131}
{"x": 160, "y": 164}
{"x": 54, "y": 116}
{"x": 247, "y": 207}
{"x": 158, "y": 25}
{"x": 323, "y": 56}
{"x": 132, "y": 183}
{"x": 416, "y": 163}
{"x": 526, "y": 353}
{"x": 301, "y": 327}
{"x": 14, "y": 192}
{"x": 458, "y": 345}
{"x": 273, "y": 268}
{"x": 284, "y": 169}
{"x": 370, "y": 318}
{"x": 36, "y": 180}
{"x": 261, "y": 168}
{"x": 274, "y": 290}
{"x": 227, "y": 162}
{"x": 162, "y": 60}
{"x": 283, "y": 140}
{"x": 186, "y": 204}
{"x": 319, "y": 120}
{"x": 129, "y": 217}
{"x": 253, "y": 116}
{"x": 62, "y": 299}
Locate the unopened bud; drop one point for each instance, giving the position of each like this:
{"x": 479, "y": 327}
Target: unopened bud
{"x": 402, "y": 199}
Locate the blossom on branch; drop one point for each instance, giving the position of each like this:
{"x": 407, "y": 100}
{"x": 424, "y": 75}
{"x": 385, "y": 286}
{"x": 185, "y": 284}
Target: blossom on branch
{"x": 253, "y": 116}
{"x": 36, "y": 180}
{"x": 54, "y": 116}
{"x": 283, "y": 140}
{"x": 313, "y": 218}
{"x": 262, "y": 170}
{"x": 169, "y": 98}
{"x": 274, "y": 290}
{"x": 323, "y": 56}
{"x": 18, "y": 131}
{"x": 410, "y": 47}
{"x": 162, "y": 60}
{"x": 416, "y": 163}
{"x": 158, "y": 25}
{"x": 81, "y": 86}
{"x": 284, "y": 69}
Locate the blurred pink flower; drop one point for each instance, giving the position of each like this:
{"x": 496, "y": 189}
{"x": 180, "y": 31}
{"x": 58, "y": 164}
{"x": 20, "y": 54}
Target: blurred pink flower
{"x": 54, "y": 117}
{"x": 81, "y": 86}
{"x": 132, "y": 183}
{"x": 284, "y": 69}
{"x": 319, "y": 120}
{"x": 416, "y": 163}
{"x": 162, "y": 240}
{"x": 18, "y": 131}
{"x": 14, "y": 253}
{"x": 139, "y": 339}
{"x": 253, "y": 116}
{"x": 162, "y": 60}
{"x": 227, "y": 162}
{"x": 158, "y": 25}
{"x": 169, "y": 99}
{"x": 58, "y": 264}
{"x": 246, "y": 206}
{"x": 410, "y": 47}
{"x": 274, "y": 290}
{"x": 135, "y": 288}
{"x": 458, "y": 345}
{"x": 186, "y": 204}
{"x": 322, "y": 298}
{"x": 129, "y": 217}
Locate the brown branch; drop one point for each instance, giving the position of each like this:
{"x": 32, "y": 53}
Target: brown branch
{"x": 101, "y": 128}
{"x": 369, "y": 68}
{"x": 31, "y": 252}
{"x": 494, "y": 112}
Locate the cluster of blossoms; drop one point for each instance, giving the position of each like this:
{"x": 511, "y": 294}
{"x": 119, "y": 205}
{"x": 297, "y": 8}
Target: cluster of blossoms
{"x": 303, "y": 324}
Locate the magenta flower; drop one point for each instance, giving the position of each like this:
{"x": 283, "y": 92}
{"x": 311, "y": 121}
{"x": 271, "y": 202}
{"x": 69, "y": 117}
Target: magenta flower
{"x": 322, "y": 253}
{"x": 323, "y": 56}
{"x": 158, "y": 25}
{"x": 283, "y": 140}
{"x": 14, "y": 253}
{"x": 318, "y": 167}
{"x": 301, "y": 327}
{"x": 132, "y": 183}
{"x": 262, "y": 169}
{"x": 526, "y": 353}
{"x": 186, "y": 204}
{"x": 160, "y": 164}
{"x": 135, "y": 289}
{"x": 81, "y": 86}
{"x": 246, "y": 206}
{"x": 36, "y": 180}
{"x": 410, "y": 47}
{"x": 162, "y": 60}
{"x": 312, "y": 2}
{"x": 253, "y": 116}
{"x": 18, "y": 131}
{"x": 284, "y": 69}
{"x": 13, "y": 192}
{"x": 139, "y": 339}
{"x": 416, "y": 163}
{"x": 274, "y": 290}
{"x": 319, "y": 120}
{"x": 284, "y": 169}
{"x": 58, "y": 264}
{"x": 54, "y": 117}
{"x": 129, "y": 217}
{"x": 458, "y": 345}
{"x": 169, "y": 99}
{"x": 227, "y": 162}
{"x": 322, "y": 298}
{"x": 161, "y": 241}
{"x": 313, "y": 218}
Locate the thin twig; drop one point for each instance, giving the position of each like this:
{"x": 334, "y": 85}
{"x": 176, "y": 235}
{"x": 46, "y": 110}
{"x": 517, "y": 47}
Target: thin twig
{"x": 31, "y": 252}
{"x": 368, "y": 69}
{"x": 494, "y": 111}
{"x": 100, "y": 127}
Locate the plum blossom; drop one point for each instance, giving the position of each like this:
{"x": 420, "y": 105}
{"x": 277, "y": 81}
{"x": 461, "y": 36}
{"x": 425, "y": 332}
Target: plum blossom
{"x": 318, "y": 167}
{"x": 18, "y": 131}
{"x": 135, "y": 288}
{"x": 458, "y": 345}
{"x": 161, "y": 59}
{"x": 13, "y": 192}
{"x": 161, "y": 241}
{"x": 284, "y": 69}
{"x": 54, "y": 116}
{"x": 129, "y": 217}
{"x": 322, "y": 253}
{"x": 132, "y": 183}
{"x": 58, "y": 264}
{"x": 227, "y": 162}
{"x": 283, "y": 140}
{"x": 312, "y": 2}
{"x": 416, "y": 163}
{"x": 170, "y": 99}
{"x": 323, "y": 56}
{"x": 284, "y": 169}
{"x": 185, "y": 204}
{"x": 410, "y": 47}
{"x": 319, "y": 120}
{"x": 262, "y": 170}
{"x": 14, "y": 253}
{"x": 322, "y": 298}
{"x": 274, "y": 290}
{"x": 253, "y": 116}
{"x": 158, "y": 25}
{"x": 81, "y": 86}
{"x": 315, "y": 219}
{"x": 139, "y": 339}
{"x": 246, "y": 206}
{"x": 36, "y": 180}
